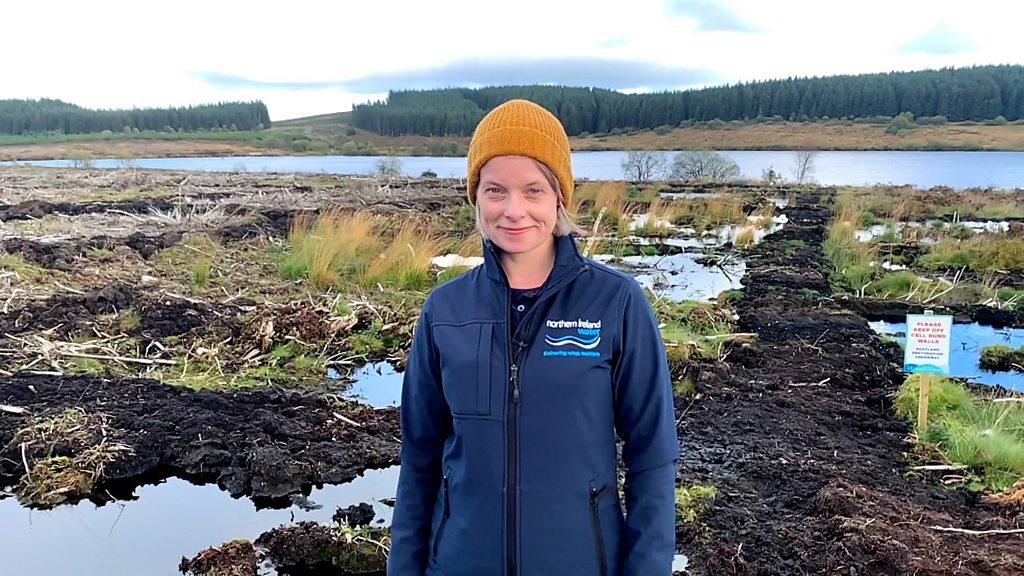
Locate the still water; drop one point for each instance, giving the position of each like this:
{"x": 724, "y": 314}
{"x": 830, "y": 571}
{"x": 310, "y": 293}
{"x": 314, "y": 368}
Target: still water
{"x": 149, "y": 535}
{"x": 923, "y": 169}
{"x": 965, "y": 350}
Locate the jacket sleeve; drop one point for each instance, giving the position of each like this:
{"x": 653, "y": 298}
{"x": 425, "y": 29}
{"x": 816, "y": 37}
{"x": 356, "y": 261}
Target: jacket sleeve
{"x": 645, "y": 420}
{"x": 426, "y": 423}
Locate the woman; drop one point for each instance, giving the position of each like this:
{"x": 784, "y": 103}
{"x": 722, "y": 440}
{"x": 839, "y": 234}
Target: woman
{"x": 521, "y": 373}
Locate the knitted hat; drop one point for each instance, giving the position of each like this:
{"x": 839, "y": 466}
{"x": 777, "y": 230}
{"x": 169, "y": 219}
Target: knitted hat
{"x": 520, "y": 128}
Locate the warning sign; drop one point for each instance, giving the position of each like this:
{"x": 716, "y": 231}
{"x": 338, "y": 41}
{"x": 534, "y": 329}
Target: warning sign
{"x": 928, "y": 338}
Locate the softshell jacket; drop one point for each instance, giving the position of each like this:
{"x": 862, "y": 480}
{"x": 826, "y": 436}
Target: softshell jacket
{"x": 509, "y": 440}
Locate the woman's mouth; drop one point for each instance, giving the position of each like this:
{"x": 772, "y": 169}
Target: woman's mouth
{"x": 515, "y": 231}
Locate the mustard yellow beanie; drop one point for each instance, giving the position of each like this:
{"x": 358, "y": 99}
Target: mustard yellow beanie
{"x": 520, "y": 128}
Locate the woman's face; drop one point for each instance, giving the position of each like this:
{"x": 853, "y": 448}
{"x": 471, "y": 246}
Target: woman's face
{"x": 518, "y": 208}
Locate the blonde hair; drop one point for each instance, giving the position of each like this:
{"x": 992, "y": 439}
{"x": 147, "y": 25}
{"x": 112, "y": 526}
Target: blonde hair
{"x": 564, "y": 224}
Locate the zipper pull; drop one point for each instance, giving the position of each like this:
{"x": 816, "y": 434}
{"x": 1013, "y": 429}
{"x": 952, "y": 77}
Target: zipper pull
{"x": 515, "y": 384}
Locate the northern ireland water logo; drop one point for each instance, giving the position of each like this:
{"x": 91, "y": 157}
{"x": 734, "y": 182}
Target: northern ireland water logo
{"x": 579, "y": 339}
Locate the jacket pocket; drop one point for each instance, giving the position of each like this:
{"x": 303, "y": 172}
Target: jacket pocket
{"x": 466, "y": 353}
{"x": 595, "y": 520}
{"x": 445, "y": 512}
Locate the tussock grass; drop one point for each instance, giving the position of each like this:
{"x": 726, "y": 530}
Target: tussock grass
{"x": 339, "y": 246}
{"x": 980, "y": 252}
{"x": 850, "y": 258}
{"x": 328, "y": 246}
{"x": 904, "y": 285}
{"x": 1000, "y": 357}
{"x": 908, "y": 203}
{"x": 405, "y": 263}
{"x": 470, "y": 246}
{"x": 659, "y": 215}
{"x": 746, "y": 236}
{"x": 703, "y": 213}
{"x": 970, "y": 430}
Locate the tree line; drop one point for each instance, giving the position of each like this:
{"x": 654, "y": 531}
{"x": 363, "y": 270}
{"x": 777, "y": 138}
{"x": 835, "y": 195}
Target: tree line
{"x": 55, "y": 116}
{"x": 954, "y": 94}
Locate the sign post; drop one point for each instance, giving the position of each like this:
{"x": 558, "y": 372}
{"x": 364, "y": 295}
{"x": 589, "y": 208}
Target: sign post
{"x": 927, "y": 353}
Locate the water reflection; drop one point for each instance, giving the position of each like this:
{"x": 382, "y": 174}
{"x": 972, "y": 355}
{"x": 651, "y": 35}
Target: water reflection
{"x": 149, "y": 535}
{"x": 376, "y": 384}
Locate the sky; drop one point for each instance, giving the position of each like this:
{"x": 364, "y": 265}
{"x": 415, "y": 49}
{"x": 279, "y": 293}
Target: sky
{"x": 303, "y": 58}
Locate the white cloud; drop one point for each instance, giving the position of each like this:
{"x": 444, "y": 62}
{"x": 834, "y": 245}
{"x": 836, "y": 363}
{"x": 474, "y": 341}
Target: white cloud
{"x": 122, "y": 54}
{"x": 942, "y": 38}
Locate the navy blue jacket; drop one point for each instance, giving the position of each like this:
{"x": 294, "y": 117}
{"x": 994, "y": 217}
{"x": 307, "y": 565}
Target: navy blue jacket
{"x": 509, "y": 440}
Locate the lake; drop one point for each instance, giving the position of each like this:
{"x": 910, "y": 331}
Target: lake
{"x": 922, "y": 169}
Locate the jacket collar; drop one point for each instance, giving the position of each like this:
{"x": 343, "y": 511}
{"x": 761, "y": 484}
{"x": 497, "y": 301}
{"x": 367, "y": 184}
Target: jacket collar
{"x": 567, "y": 260}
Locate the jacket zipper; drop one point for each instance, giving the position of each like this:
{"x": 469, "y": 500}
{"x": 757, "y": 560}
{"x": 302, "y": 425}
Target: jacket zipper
{"x": 510, "y": 492}
{"x": 444, "y": 518}
{"x": 514, "y": 369}
{"x": 595, "y": 517}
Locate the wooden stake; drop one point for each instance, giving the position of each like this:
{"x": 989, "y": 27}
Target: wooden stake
{"x": 924, "y": 389}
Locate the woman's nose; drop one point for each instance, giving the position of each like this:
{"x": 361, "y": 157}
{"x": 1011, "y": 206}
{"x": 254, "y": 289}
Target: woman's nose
{"x": 514, "y": 206}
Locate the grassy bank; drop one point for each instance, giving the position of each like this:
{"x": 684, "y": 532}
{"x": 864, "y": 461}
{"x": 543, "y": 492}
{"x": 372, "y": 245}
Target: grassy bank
{"x": 332, "y": 134}
{"x": 982, "y": 434}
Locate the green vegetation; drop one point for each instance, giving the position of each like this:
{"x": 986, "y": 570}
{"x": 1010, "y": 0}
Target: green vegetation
{"x": 704, "y": 213}
{"x": 374, "y": 341}
{"x": 128, "y": 319}
{"x": 1002, "y": 358}
{"x": 979, "y": 433}
{"x": 974, "y": 93}
{"x": 980, "y": 252}
{"x": 55, "y": 476}
{"x": 692, "y": 329}
{"x": 882, "y": 204}
{"x": 684, "y": 387}
{"x": 1011, "y": 297}
{"x": 903, "y": 285}
{"x": 16, "y": 263}
{"x": 201, "y": 272}
{"x": 287, "y": 362}
{"x": 20, "y": 117}
{"x": 337, "y": 246}
{"x": 693, "y": 501}
{"x": 197, "y": 259}
{"x": 851, "y": 259}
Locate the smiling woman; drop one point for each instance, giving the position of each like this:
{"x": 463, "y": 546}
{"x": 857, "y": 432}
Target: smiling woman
{"x": 521, "y": 375}
{"x": 520, "y": 208}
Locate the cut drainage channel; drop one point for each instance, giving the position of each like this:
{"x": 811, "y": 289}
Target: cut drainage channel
{"x": 148, "y": 536}
{"x": 965, "y": 350}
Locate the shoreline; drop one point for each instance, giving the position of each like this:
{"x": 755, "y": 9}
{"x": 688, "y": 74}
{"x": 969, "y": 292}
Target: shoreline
{"x": 324, "y": 140}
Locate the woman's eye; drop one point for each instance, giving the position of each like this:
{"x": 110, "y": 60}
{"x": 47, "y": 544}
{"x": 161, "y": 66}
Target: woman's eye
{"x": 536, "y": 191}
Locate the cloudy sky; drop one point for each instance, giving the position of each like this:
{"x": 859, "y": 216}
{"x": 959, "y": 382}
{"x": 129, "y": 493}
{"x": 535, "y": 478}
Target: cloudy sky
{"x": 305, "y": 58}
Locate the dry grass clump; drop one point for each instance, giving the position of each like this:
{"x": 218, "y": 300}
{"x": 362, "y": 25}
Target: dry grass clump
{"x": 337, "y": 245}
